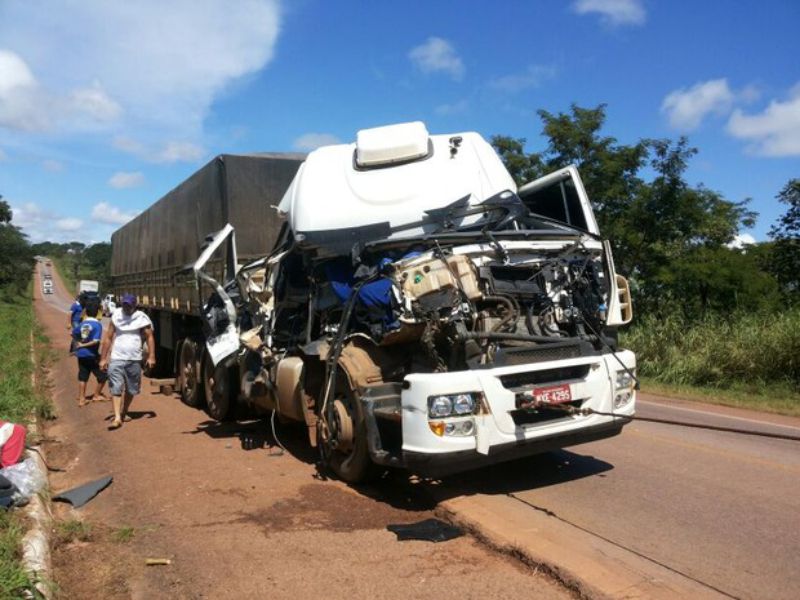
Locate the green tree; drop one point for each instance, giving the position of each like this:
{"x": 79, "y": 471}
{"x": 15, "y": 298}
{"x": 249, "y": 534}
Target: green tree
{"x": 96, "y": 262}
{"x": 16, "y": 257}
{"x": 653, "y": 225}
{"x": 785, "y": 256}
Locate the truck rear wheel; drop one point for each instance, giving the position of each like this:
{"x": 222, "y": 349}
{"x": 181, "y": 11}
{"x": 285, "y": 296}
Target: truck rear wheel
{"x": 189, "y": 374}
{"x": 218, "y": 389}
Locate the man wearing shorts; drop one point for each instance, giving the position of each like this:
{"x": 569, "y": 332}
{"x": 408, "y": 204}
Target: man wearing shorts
{"x": 86, "y": 336}
{"x": 122, "y": 344}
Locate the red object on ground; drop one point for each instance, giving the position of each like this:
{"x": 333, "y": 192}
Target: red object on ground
{"x": 14, "y": 446}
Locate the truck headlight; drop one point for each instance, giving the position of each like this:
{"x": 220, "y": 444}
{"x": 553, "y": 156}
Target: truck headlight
{"x": 464, "y": 404}
{"x": 440, "y": 406}
{"x": 452, "y": 405}
{"x": 624, "y": 380}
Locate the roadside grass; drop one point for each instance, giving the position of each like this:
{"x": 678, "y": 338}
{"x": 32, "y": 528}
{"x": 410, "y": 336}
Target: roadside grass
{"x": 20, "y": 400}
{"x": 72, "y": 530}
{"x": 779, "y": 399}
{"x": 14, "y": 580}
{"x": 123, "y": 534}
{"x": 747, "y": 360}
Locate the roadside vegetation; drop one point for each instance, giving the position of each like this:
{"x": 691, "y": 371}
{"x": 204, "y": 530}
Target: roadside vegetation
{"x": 20, "y": 399}
{"x": 743, "y": 359}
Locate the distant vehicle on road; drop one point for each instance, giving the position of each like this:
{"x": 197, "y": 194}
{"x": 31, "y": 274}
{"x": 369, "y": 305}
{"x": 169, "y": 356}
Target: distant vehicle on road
{"x": 47, "y": 286}
{"x": 88, "y": 285}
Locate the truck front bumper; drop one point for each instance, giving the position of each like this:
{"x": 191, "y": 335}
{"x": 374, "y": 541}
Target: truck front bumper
{"x": 501, "y": 430}
{"x": 437, "y": 465}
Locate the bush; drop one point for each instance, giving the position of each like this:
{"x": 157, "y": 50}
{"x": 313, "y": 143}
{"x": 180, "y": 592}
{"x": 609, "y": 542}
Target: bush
{"x": 719, "y": 351}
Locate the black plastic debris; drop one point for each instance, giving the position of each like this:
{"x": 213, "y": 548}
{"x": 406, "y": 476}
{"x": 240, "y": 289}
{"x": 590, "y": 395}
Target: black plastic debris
{"x": 82, "y": 494}
{"x": 7, "y": 491}
{"x": 429, "y": 530}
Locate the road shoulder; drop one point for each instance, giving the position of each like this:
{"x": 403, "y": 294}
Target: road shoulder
{"x": 589, "y": 565}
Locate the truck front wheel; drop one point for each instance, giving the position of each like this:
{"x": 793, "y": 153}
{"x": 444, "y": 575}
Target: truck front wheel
{"x": 218, "y": 389}
{"x": 349, "y": 455}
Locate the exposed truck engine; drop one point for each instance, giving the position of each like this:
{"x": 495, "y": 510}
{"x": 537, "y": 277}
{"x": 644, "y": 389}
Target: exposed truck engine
{"x": 418, "y": 310}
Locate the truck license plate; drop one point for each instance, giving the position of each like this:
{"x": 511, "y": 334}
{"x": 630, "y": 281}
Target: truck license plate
{"x": 557, "y": 394}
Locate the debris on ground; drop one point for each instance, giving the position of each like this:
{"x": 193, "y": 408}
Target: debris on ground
{"x": 82, "y": 494}
{"x": 27, "y": 479}
{"x": 151, "y": 562}
{"x": 429, "y": 530}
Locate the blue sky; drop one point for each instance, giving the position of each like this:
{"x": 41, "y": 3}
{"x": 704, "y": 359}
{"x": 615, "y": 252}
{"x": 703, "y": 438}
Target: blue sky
{"x": 106, "y": 106}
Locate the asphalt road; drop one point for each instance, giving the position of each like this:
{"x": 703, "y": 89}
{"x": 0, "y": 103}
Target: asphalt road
{"x": 720, "y": 508}
{"x": 60, "y": 300}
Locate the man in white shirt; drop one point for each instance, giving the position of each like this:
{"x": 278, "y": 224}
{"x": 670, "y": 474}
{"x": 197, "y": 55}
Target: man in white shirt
{"x": 123, "y": 342}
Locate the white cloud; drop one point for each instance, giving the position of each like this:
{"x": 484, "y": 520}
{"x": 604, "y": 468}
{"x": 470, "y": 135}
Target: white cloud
{"x": 41, "y": 225}
{"x": 312, "y": 141}
{"x": 95, "y": 103}
{"x": 773, "y": 132}
{"x": 69, "y": 224}
{"x": 437, "y": 55}
{"x": 686, "y": 108}
{"x": 103, "y": 212}
{"x": 613, "y": 12}
{"x": 21, "y": 105}
{"x": 123, "y": 179}
{"x": 741, "y": 241}
{"x": 168, "y": 152}
{"x": 53, "y": 166}
{"x": 533, "y": 77}
{"x": 457, "y": 108}
{"x": 148, "y": 67}
{"x": 175, "y": 151}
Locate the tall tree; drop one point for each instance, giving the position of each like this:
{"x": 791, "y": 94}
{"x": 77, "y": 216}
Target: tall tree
{"x": 653, "y": 225}
{"x": 16, "y": 257}
{"x": 785, "y": 258}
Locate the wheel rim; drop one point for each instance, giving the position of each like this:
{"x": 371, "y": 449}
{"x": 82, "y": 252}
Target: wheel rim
{"x": 188, "y": 369}
{"x": 216, "y": 383}
{"x": 344, "y": 427}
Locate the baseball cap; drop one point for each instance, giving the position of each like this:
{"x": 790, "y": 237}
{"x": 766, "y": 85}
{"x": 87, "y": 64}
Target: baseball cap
{"x": 129, "y": 299}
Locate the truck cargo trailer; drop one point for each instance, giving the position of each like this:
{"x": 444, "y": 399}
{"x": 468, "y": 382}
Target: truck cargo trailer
{"x": 150, "y": 251}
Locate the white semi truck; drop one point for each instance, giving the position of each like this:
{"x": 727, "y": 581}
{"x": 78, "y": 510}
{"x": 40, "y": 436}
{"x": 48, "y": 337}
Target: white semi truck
{"x": 418, "y": 310}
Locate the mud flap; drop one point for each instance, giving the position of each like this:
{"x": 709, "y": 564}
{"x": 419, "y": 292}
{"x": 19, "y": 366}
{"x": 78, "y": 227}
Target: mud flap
{"x": 376, "y": 398}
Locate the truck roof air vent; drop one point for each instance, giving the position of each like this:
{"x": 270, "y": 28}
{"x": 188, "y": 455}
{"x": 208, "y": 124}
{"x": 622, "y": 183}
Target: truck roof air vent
{"x": 392, "y": 144}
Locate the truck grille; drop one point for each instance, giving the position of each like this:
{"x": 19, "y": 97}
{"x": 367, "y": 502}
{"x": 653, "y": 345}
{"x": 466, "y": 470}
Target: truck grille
{"x": 519, "y": 381}
{"x": 541, "y": 353}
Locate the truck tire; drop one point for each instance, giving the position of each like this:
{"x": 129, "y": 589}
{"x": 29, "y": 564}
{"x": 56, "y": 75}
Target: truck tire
{"x": 218, "y": 388}
{"x": 189, "y": 374}
{"x": 352, "y": 463}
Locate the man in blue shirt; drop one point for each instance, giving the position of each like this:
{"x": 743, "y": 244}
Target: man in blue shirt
{"x": 87, "y": 335}
{"x": 75, "y": 316}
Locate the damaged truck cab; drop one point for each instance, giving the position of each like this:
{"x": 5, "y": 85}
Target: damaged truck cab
{"x": 420, "y": 311}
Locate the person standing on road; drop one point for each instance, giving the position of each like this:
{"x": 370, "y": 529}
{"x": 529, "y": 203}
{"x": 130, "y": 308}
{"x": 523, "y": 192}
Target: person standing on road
{"x": 75, "y": 317}
{"x": 87, "y": 335}
{"x": 122, "y": 342}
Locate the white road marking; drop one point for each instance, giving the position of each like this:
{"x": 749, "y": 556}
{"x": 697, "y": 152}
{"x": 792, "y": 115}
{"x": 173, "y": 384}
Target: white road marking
{"x": 716, "y": 414}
